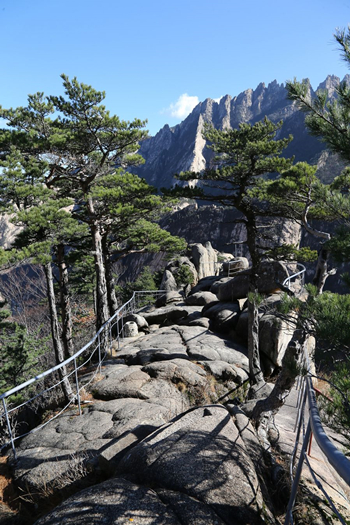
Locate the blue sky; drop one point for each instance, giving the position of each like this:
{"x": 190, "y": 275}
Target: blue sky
{"x": 156, "y": 59}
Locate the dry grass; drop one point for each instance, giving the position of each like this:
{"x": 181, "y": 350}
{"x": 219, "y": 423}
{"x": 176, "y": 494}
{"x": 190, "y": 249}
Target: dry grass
{"x": 8, "y": 495}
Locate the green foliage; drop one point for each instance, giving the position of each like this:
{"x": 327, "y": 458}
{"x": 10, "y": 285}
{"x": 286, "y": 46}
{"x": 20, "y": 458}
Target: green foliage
{"x": 290, "y": 252}
{"x": 19, "y": 353}
{"x": 328, "y": 314}
{"x": 336, "y": 407}
{"x": 242, "y": 155}
{"x": 184, "y": 275}
{"x": 339, "y": 245}
{"x": 330, "y": 122}
{"x": 331, "y": 313}
{"x": 255, "y": 298}
{"x": 145, "y": 281}
{"x": 65, "y": 161}
{"x": 346, "y": 278}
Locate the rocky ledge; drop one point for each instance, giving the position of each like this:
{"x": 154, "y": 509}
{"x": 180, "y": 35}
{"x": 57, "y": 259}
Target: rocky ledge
{"x": 162, "y": 439}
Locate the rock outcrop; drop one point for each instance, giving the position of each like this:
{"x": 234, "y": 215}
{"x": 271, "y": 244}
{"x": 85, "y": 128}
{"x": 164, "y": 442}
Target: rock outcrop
{"x": 156, "y": 420}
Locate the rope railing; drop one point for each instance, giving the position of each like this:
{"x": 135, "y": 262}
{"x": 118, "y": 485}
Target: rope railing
{"x": 335, "y": 458}
{"x": 44, "y": 384}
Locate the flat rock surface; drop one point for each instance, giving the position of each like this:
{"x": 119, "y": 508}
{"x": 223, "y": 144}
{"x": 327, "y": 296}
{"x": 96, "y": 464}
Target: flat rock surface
{"x": 202, "y": 455}
{"x": 114, "y": 502}
{"x": 204, "y": 345}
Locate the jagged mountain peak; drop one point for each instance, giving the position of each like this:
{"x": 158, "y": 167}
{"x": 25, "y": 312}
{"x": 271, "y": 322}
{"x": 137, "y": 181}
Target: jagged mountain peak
{"x": 182, "y": 147}
{"x": 330, "y": 83}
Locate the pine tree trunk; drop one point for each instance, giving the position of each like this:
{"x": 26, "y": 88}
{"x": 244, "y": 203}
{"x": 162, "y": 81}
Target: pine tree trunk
{"x": 283, "y": 385}
{"x": 255, "y": 374}
{"x": 110, "y": 282}
{"x": 55, "y": 332}
{"x": 66, "y": 311}
{"x": 102, "y": 310}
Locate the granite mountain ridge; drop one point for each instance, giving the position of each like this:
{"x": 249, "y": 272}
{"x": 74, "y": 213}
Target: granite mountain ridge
{"x": 182, "y": 147}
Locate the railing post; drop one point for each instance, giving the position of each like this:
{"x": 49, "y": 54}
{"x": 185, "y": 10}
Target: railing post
{"x": 110, "y": 337}
{"x": 9, "y": 428}
{"x": 295, "y": 485}
{"x": 118, "y": 331}
{"x": 77, "y": 385}
{"x": 99, "y": 352}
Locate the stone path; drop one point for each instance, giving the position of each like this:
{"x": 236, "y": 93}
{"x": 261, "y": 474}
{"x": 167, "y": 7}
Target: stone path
{"x": 331, "y": 482}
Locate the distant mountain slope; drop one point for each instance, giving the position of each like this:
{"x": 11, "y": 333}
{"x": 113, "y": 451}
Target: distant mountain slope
{"x": 182, "y": 147}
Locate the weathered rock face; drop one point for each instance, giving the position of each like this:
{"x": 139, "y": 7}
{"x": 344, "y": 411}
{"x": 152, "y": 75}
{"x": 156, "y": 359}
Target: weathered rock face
{"x": 200, "y": 298}
{"x": 235, "y": 265}
{"x": 114, "y": 502}
{"x": 200, "y": 473}
{"x": 271, "y": 275}
{"x": 130, "y": 329}
{"x": 168, "y": 282}
{"x": 205, "y": 259}
{"x": 183, "y": 148}
{"x": 8, "y": 231}
{"x": 202, "y": 455}
{"x": 274, "y": 333}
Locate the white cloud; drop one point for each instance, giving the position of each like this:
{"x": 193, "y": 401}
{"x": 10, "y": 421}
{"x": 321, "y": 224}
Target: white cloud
{"x": 182, "y": 107}
{"x": 217, "y": 99}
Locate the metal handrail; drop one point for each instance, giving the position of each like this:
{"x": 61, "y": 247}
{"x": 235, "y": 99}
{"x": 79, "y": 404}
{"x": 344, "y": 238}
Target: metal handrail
{"x": 103, "y": 334}
{"x": 287, "y": 281}
{"x": 335, "y": 457}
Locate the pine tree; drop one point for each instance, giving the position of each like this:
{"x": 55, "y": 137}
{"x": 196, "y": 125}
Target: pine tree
{"x": 330, "y": 122}
{"x": 243, "y": 157}
{"x": 19, "y": 351}
{"x": 82, "y": 148}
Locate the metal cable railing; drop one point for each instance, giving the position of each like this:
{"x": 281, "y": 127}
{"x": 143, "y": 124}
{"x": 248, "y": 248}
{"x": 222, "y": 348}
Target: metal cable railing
{"x": 340, "y": 463}
{"x": 292, "y": 278}
{"x": 41, "y": 387}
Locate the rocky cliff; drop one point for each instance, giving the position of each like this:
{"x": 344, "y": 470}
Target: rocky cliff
{"x": 182, "y": 147}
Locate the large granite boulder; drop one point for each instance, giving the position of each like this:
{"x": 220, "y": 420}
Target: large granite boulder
{"x": 205, "y": 284}
{"x": 177, "y": 370}
{"x": 183, "y": 267}
{"x": 200, "y": 298}
{"x": 121, "y": 381}
{"x": 114, "y": 502}
{"x": 274, "y": 333}
{"x": 232, "y": 289}
{"x": 271, "y": 275}
{"x": 168, "y": 282}
{"x": 237, "y": 264}
{"x": 224, "y": 316}
{"x": 274, "y": 337}
{"x": 200, "y": 454}
{"x": 204, "y": 259}
{"x": 203, "y": 345}
{"x": 167, "y": 313}
{"x": 168, "y": 298}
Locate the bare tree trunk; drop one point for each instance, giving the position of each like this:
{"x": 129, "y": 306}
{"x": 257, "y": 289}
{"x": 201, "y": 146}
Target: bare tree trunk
{"x": 321, "y": 272}
{"x": 110, "y": 282}
{"x": 59, "y": 354}
{"x": 102, "y": 310}
{"x": 66, "y": 311}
